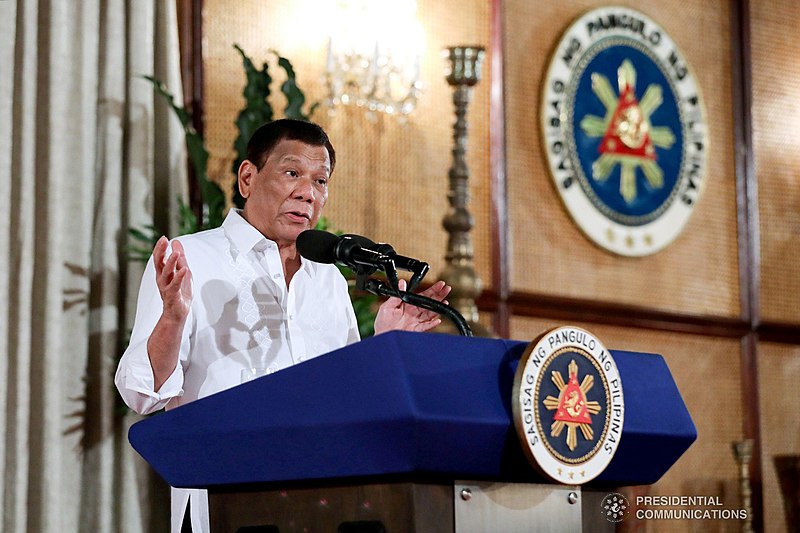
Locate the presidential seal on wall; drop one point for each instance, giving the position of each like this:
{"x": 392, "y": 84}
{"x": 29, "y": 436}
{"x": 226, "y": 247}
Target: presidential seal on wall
{"x": 568, "y": 405}
{"x": 624, "y": 131}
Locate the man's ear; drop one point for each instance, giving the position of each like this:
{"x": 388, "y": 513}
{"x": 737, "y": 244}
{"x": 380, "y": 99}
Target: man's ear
{"x": 247, "y": 171}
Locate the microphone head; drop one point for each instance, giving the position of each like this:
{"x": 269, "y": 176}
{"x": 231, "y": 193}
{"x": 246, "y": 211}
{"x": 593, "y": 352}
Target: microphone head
{"x": 317, "y": 245}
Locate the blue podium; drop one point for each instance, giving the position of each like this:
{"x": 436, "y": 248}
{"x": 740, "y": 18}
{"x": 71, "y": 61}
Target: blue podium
{"x": 377, "y": 436}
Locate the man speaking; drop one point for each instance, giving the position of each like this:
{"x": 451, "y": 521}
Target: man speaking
{"x": 217, "y": 305}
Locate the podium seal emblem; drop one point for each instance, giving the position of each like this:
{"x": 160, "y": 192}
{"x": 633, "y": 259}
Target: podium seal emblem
{"x": 568, "y": 405}
{"x": 624, "y": 131}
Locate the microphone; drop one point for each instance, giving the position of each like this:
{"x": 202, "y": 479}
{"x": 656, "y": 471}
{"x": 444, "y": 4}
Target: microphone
{"x": 365, "y": 257}
{"x": 359, "y": 253}
{"x": 350, "y": 250}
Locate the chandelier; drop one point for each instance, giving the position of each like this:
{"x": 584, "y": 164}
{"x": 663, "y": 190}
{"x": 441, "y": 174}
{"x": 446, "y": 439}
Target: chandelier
{"x": 373, "y": 57}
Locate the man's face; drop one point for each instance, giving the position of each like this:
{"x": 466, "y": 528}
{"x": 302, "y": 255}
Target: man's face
{"x": 287, "y": 195}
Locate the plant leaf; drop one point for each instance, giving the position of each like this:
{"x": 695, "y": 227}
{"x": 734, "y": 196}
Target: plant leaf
{"x": 146, "y": 236}
{"x": 212, "y": 195}
{"x": 256, "y": 111}
{"x": 295, "y": 98}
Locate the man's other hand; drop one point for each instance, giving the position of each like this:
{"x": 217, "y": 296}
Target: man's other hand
{"x": 394, "y": 314}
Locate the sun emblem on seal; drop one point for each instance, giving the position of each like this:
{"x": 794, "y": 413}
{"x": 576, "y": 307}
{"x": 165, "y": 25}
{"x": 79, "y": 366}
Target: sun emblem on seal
{"x": 628, "y": 136}
{"x": 571, "y": 407}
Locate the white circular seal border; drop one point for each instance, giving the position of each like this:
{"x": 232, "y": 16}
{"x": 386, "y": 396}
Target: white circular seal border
{"x": 649, "y": 238}
{"x": 527, "y": 376}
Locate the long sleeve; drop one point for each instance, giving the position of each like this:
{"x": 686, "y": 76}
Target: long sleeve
{"x": 134, "y": 377}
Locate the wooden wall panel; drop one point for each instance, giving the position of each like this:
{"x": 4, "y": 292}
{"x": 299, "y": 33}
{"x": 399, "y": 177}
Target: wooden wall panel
{"x": 778, "y": 376}
{"x": 776, "y": 146}
{"x": 706, "y": 371}
{"x": 391, "y": 179}
{"x": 698, "y": 273}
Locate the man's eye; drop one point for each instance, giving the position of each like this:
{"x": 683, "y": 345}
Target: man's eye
{"x": 322, "y": 181}
{"x": 292, "y": 173}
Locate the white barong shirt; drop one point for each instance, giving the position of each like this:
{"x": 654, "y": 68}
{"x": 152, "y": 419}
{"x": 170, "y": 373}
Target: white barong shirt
{"x": 242, "y": 316}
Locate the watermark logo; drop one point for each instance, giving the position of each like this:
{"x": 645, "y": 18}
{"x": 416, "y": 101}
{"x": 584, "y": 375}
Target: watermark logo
{"x": 615, "y": 507}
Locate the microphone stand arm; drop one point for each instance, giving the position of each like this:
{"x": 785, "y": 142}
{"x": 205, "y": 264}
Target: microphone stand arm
{"x": 382, "y": 289}
{"x": 419, "y": 269}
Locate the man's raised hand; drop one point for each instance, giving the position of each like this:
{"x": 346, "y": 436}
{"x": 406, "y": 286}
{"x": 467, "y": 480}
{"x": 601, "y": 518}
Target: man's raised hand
{"x": 174, "y": 280}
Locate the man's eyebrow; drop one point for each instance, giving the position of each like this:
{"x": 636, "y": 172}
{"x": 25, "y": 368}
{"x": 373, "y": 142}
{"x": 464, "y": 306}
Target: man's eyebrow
{"x": 289, "y": 158}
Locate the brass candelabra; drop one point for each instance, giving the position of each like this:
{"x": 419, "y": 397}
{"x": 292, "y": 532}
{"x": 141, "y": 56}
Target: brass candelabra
{"x": 462, "y": 73}
{"x": 743, "y": 452}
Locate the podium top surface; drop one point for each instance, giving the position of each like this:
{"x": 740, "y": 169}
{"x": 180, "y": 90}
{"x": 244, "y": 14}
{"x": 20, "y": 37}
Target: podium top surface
{"x": 397, "y": 404}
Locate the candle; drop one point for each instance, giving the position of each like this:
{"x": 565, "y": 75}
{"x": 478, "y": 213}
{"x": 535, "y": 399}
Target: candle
{"x": 329, "y": 63}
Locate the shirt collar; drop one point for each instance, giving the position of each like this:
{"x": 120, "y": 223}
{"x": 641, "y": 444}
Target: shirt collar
{"x": 245, "y": 237}
{"x": 241, "y": 234}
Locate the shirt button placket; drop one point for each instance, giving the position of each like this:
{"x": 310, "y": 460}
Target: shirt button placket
{"x": 294, "y": 330}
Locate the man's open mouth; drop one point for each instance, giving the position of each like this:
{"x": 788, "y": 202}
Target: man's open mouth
{"x": 300, "y": 214}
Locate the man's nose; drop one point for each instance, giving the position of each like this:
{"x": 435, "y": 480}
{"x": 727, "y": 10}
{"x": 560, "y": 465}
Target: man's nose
{"x": 304, "y": 190}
